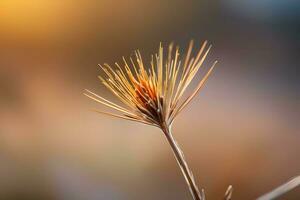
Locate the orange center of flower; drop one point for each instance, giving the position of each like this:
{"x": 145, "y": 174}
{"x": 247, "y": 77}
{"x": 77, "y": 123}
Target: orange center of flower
{"x": 148, "y": 100}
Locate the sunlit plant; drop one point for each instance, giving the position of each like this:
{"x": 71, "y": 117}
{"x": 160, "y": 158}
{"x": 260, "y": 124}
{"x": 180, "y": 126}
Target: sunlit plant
{"x": 155, "y": 93}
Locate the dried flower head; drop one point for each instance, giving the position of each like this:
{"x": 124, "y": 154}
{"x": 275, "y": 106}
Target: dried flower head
{"x": 153, "y": 95}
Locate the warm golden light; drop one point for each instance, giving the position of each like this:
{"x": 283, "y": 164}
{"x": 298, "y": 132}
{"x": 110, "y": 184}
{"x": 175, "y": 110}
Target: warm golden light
{"x": 243, "y": 129}
{"x": 31, "y": 17}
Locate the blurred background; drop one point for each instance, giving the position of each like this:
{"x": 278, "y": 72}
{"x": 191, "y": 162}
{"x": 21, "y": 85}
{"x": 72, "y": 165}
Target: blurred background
{"x": 242, "y": 129}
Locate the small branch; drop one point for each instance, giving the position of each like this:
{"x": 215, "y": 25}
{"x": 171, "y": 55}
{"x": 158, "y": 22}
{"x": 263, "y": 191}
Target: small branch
{"x": 187, "y": 173}
{"x": 286, "y": 187}
{"x": 228, "y": 193}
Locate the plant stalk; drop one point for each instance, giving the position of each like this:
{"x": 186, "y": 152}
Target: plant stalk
{"x": 286, "y": 187}
{"x": 187, "y": 173}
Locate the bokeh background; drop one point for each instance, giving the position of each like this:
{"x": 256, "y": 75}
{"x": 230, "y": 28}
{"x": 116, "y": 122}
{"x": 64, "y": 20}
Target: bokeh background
{"x": 242, "y": 129}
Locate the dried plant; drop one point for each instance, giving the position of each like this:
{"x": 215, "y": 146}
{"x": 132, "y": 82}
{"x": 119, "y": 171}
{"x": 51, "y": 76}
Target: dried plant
{"x": 284, "y": 188}
{"x": 155, "y": 95}
{"x": 228, "y": 193}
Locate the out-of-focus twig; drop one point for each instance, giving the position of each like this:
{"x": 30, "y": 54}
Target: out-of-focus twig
{"x": 286, "y": 187}
{"x": 228, "y": 193}
{"x": 203, "y": 194}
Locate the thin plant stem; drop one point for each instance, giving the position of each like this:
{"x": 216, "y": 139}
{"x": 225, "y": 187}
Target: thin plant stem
{"x": 187, "y": 173}
{"x": 286, "y": 187}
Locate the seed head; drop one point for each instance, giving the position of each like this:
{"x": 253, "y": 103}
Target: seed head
{"x": 153, "y": 95}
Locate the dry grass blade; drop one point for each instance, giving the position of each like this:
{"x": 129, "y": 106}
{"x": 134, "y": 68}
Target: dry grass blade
{"x": 124, "y": 117}
{"x": 286, "y": 187}
{"x": 203, "y": 195}
{"x": 228, "y": 193}
{"x": 200, "y": 85}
